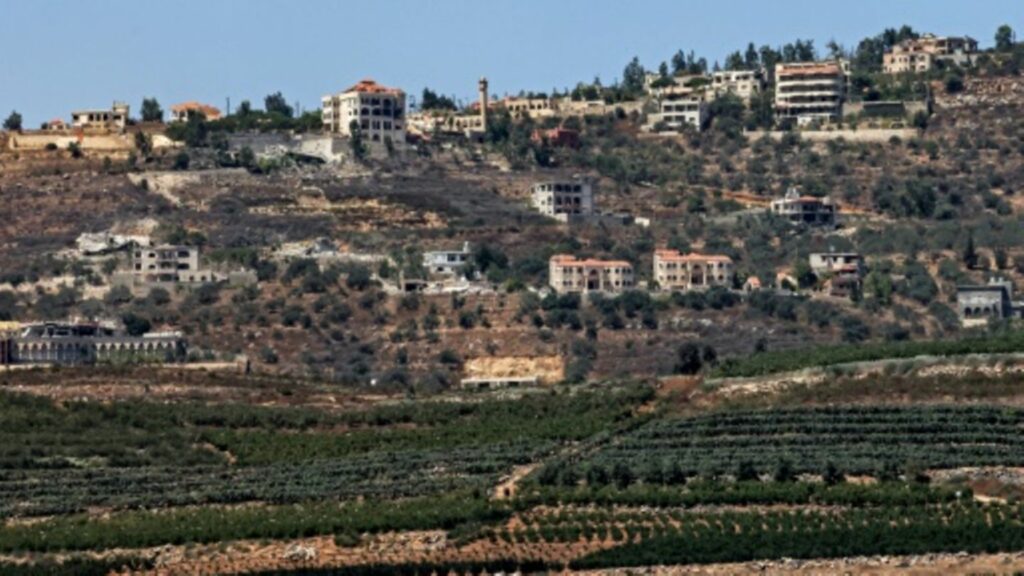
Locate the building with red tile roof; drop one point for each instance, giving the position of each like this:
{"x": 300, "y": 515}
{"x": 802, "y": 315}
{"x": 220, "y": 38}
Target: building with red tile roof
{"x": 566, "y": 273}
{"x": 377, "y": 111}
{"x": 182, "y": 112}
{"x": 676, "y": 271}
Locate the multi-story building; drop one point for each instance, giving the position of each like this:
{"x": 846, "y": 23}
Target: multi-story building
{"x": 564, "y": 199}
{"x": 377, "y": 111}
{"x": 182, "y": 112}
{"x": 810, "y": 91}
{"x": 921, "y": 54}
{"x": 115, "y": 119}
{"x": 743, "y": 83}
{"x": 676, "y": 110}
{"x": 676, "y": 271}
{"x": 66, "y": 343}
{"x": 567, "y": 273}
{"x": 169, "y": 265}
{"x": 447, "y": 262}
{"x": 809, "y": 210}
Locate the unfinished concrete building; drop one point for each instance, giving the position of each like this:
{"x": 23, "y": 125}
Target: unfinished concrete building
{"x": 809, "y": 210}
{"x": 921, "y": 54}
{"x": 566, "y": 273}
{"x": 806, "y": 92}
{"x": 378, "y": 112}
{"x": 169, "y": 265}
{"x": 564, "y": 199}
{"x": 114, "y": 120}
{"x": 745, "y": 84}
{"x": 693, "y": 271}
{"x": 447, "y": 262}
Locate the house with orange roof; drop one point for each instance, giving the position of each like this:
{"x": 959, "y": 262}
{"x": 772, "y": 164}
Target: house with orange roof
{"x": 566, "y": 273}
{"x": 676, "y": 271}
{"x": 182, "y": 112}
{"x": 55, "y": 124}
{"x": 376, "y": 111}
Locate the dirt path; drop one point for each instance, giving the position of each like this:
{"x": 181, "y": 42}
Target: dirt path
{"x": 507, "y": 488}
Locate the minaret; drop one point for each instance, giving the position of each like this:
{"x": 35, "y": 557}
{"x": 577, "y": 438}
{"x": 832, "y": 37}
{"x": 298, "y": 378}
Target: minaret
{"x": 482, "y": 85}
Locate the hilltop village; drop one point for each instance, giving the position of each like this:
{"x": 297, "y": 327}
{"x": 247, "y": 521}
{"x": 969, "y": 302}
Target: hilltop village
{"x": 753, "y": 314}
{"x": 383, "y": 240}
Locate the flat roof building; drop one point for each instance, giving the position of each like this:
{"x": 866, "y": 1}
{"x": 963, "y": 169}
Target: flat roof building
{"x": 809, "y": 91}
{"x": 562, "y": 199}
{"x": 169, "y": 265}
{"x": 743, "y": 83}
{"x": 567, "y": 273}
{"x": 676, "y": 110}
{"x": 447, "y": 262}
{"x": 809, "y": 210}
{"x": 693, "y": 271}
{"x": 114, "y": 119}
{"x": 921, "y": 54}
{"x": 377, "y": 111}
{"x": 980, "y": 303}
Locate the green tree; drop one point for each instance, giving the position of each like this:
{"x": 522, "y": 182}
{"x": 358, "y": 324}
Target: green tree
{"x": 633, "y": 76}
{"x": 688, "y": 359}
{"x": 151, "y": 111}
{"x": 182, "y": 161}
{"x": 970, "y": 253}
{"x": 143, "y": 143}
{"x": 276, "y": 104}
{"x": 1004, "y": 38}
{"x": 359, "y": 149}
{"x": 13, "y": 122}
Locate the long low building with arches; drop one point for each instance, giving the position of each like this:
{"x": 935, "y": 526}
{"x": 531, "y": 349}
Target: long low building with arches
{"x": 980, "y": 303}
{"x": 76, "y": 344}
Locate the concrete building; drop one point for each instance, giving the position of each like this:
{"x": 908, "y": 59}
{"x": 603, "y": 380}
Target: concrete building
{"x": 921, "y": 54}
{"x": 533, "y": 107}
{"x": 563, "y": 199}
{"x": 566, "y": 273}
{"x": 169, "y": 265}
{"x": 676, "y": 110}
{"x": 743, "y": 83}
{"x": 182, "y": 112}
{"x": 810, "y": 91}
{"x": 115, "y": 119}
{"x": 809, "y": 210}
{"x": 378, "y": 112}
{"x": 676, "y": 271}
{"x": 980, "y": 303}
{"x": 66, "y": 343}
{"x": 447, "y": 262}
{"x": 829, "y": 262}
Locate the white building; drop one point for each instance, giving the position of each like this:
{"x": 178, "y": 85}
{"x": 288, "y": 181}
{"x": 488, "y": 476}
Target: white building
{"x": 676, "y": 110}
{"x": 563, "y": 199}
{"x": 169, "y": 265}
{"x": 116, "y": 118}
{"x": 831, "y": 262}
{"x": 743, "y": 83}
{"x": 810, "y": 91}
{"x": 446, "y": 262}
{"x": 378, "y": 112}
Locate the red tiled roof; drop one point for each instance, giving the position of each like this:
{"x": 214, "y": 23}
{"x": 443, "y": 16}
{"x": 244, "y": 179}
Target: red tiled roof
{"x": 675, "y": 256}
{"x": 799, "y": 69}
{"x": 569, "y": 260}
{"x": 209, "y": 111}
{"x": 369, "y": 86}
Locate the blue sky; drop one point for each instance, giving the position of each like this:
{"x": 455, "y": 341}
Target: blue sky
{"x": 56, "y": 55}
